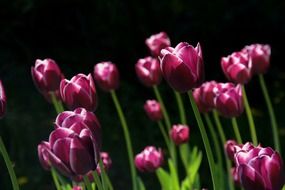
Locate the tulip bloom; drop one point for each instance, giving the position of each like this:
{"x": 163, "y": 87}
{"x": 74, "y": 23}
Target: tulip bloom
{"x": 79, "y": 92}
{"x": 182, "y": 66}
{"x": 74, "y": 145}
{"x": 153, "y": 110}
{"x": 228, "y": 100}
{"x": 148, "y": 71}
{"x": 77, "y": 188}
{"x": 149, "y": 159}
{"x": 106, "y": 75}
{"x": 157, "y": 42}
{"x": 47, "y": 76}
{"x": 3, "y": 100}
{"x": 260, "y": 57}
{"x": 259, "y": 168}
{"x": 230, "y": 149}
{"x": 107, "y": 162}
{"x": 179, "y": 134}
{"x": 237, "y": 67}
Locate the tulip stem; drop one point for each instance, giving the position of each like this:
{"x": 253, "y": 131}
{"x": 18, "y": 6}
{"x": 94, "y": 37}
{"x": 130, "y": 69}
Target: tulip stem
{"x": 249, "y": 117}
{"x": 56, "y": 103}
{"x": 97, "y": 180}
{"x": 204, "y": 138}
{"x": 165, "y": 136}
{"x": 271, "y": 113}
{"x": 9, "y": 165}
{"x": 55, "y": 179}
{"x": 223, "y": 141}
{"x": 236, "y": 130}
{"x": 127, "y": 138}
{"x": 87, "y": 182}
{"x": 180, "y": 107}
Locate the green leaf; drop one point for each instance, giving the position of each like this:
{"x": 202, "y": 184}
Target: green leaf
{"x": 194, "y": 166}
{"x": 184, "y": 154}
{"x": 174, "y": 175}
{"x": 140, "y": 184}
{"x": 164, "y": 179}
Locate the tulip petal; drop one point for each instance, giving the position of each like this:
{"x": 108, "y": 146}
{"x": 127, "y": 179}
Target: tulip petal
{"x": 59, "y": 133}
{"x": 61, "y": 149}
{"x": 250, "y": 179}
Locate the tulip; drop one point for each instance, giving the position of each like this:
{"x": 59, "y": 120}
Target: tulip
{"x": 179, "y": 134}
{"x": 79, "y": 92}
{"x": 182, "y": 66}
{"x": 228, "y": 100}
{"x": 3, "y": 100}
{"x": 47, "y": 76}
{"x": 260, "y": 57}
{"x": 77, "y": 188}
{"x": 237, "y": 67}
{"x": 230, "y": 149}
{"x": 148, "y": 71}
{"x": 149, "y": 159}
{"x": 106, "y": 160}
{"x": 157, "y": 42}
{"x": 259, "y": 168}
{"x": 153, "y": 110}
{"x": 74, "y": 145}
{"x": 106, "y": 75}
{"x": 235, "y": 176}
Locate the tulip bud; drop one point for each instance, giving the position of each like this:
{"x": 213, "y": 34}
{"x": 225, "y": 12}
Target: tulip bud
{"x": 3, "y": 100}
{"x": 237, "y": 67}
{"x": 79, "y": 92}
{"x": 47, "y": 76}
{"x": 153, "y": 110}
{"x": 260, "y": 168}
{"x": 77, "y": 188}
{"x": 157, "y": 42}
{"x": 230, "y": 149}
{"x": 149, "y": 159}
{"x": 229, "y": 101}
{"x": 107, "y": 162}
{"x": 148, "y": 71}
{"x": 74, "y": 145}
{"x": 106, "y": 75}
{"x": 182, "y": 66}
{"x": 260, "y": 57}
{"x": 179, "y": 134}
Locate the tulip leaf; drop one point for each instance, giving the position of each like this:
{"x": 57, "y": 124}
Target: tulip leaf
{"x": 283, "y": 187}
{"x": 140, "y": 184}
{"x": 174, "y": 175}
{"x": 164, "y": 179}
{"x": 184, "y": 152}
{"x": 194, "y": 166}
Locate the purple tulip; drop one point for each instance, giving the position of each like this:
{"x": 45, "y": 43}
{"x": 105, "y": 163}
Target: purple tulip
{"x": 259, "y": 168}
{"x": 237, "y": 67}
{"x": 260, "y": 57}
{"x": 228, "y": 100}
{"x": 153, "y": 110}
{"x": 230, "y": 149}
{"x": 47, "y": 76}
{"x": 3, "y": 100}
{"x": 149, "y": 159}
{"x": 106, "y": 75}
{"x": 107, "y": 162}
{"x": 74, "y": 145}
{"x": 179, "y": 134}
{"x": 77, "y": 188}
{"x": 79, "y": 92}
{"x": 148, "y": 71}
{"x": 182, "y": 66}
{"x": 157, "y": 42}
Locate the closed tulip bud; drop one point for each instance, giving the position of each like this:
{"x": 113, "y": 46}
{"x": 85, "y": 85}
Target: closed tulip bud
{"x": 260, "y": 57}
{"x": 230, "y": 149}
{"x": 182, "y": 66}
{"x": 237, "y": 67}
{"x": 149, "y": 159}
{"x": 77, "y": 188}
{"x": 79, "y": 92}
{"x": 74, "y": 145}
{"x": 229, "y": 101}
{"x": 106, "y": 160}
{"x": 260, "y": 168}
{"x": 47, "y": 76}
{"x": 179, "y": 134}
{"x": 148, "y": 71}
{"x": 106, "y": 75}
{"x": 3, "y": 100}
{"x": 153, "y": 110}
{"x": 157, "y": 42}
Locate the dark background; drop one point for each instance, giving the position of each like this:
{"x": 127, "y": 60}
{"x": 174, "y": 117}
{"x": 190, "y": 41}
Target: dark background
{"x": 78, "y": 34}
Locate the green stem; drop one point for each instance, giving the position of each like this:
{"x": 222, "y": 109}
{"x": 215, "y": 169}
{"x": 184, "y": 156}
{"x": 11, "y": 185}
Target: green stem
{"x": 97, "y": 180}
{"x": 204, "y": 138}
{"x": 164, "y": 134}
{"x": 103, "y": 175}
{"x": 87, "y": 183}
{"x": 55, "y": 179}
{"x": 180, "y": 107}
{"x": 127, "y": 138}
{"x": 56, "y": 103}
{"x": 9, "y": 165}
{"x": 223, "y": 141}
{"x": 249, "y": 117}
{"x": 271, "y": 113}
{"x": 236, "y": 130}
